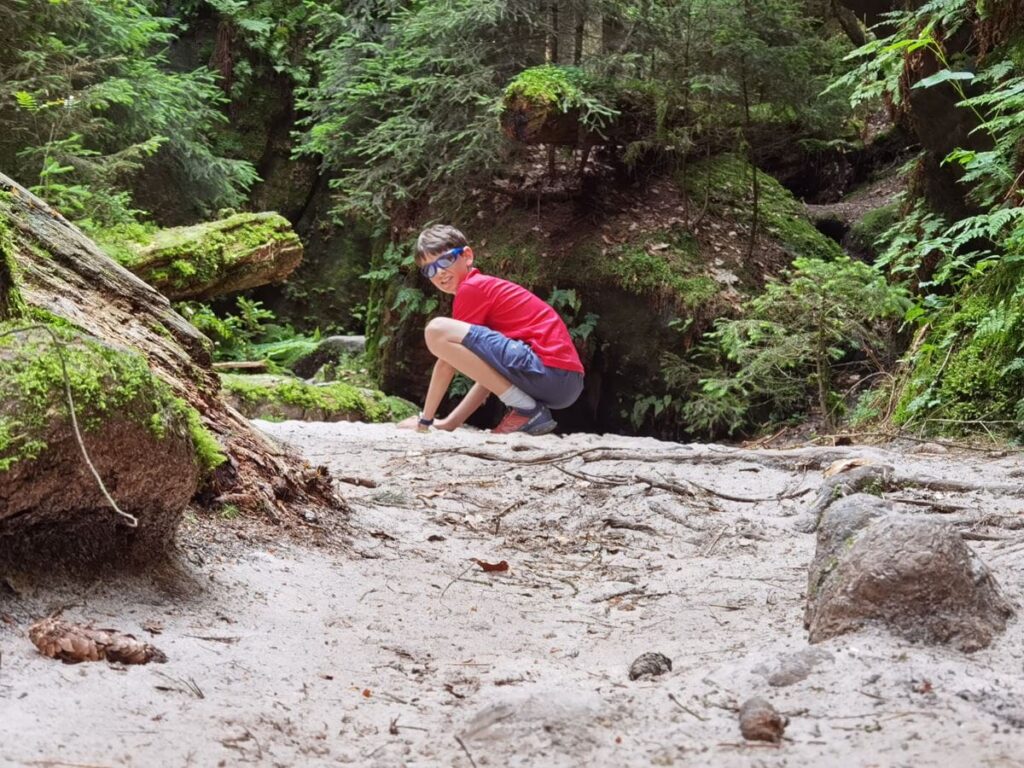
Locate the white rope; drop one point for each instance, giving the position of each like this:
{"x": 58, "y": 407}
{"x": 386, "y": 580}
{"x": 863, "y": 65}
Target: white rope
{"x": 133, "y": 522}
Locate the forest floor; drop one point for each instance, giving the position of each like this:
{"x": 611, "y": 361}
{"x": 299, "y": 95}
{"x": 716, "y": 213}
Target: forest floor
{"x": 387, "y": 644}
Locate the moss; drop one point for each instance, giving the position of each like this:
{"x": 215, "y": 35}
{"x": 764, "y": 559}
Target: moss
{"x": 548, "y": 84}
{"x": 337, "y": 400}
{"x": 864, "y": 234}
{"x": 11, "y": 304}
{"x": 105, "y": 383}
{"x": 781, "y": 216}
{"x": 209, "y": 454}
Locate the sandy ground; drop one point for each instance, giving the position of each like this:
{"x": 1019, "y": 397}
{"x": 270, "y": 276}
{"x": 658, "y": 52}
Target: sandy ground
{"x": 396, "y": 648}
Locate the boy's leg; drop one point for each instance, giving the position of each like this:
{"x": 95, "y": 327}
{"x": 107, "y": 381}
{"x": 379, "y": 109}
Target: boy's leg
{"x": 444, "y": 339}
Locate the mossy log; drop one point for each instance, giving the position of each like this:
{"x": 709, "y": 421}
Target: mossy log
{"x": 62, "y": 275}
{"x": 214, "y": 258}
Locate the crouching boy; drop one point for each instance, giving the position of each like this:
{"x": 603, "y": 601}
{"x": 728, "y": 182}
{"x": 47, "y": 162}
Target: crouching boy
{"x": 504, "y": 338}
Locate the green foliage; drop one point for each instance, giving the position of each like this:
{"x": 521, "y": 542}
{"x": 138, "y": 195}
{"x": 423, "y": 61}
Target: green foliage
{"x": 90, "y": 102}
{"x": 781, "y": 355}
{"x": 569, "y": 307}
{"x": 234, "y": 336}
{"x": 405, "y": 109}
{"x": 726, "y": 181}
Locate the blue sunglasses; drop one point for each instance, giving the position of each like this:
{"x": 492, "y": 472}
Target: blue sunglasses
{"x": 443, "y": 261}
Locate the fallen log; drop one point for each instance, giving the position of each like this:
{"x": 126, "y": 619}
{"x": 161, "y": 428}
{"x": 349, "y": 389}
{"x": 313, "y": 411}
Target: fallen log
{"x": 49, "y": 269}
{"x": 215, "y": 258}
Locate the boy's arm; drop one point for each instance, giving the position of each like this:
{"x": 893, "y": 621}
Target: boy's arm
{"x": 440, "y": 379}
{"x": 473, "y": 400}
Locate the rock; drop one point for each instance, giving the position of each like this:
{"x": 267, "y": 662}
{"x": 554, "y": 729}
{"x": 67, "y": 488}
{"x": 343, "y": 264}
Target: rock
{"x": 329, "y": 351}
{"x": 276, "y": 397}
{"x": 873, "y": 478}
{"x": 794, "y": 667}
{"x": 649, "y": 665}
{"x": 760, "y": 722}
{"x": 914, "y": 577}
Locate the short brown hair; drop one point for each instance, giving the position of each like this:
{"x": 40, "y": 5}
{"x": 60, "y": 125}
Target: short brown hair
{"x": 438, "y": 239}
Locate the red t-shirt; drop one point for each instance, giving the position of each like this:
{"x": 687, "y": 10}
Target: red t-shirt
{"x": 513, "y": 311}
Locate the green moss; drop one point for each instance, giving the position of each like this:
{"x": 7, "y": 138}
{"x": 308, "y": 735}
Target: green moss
{"x": 729, "y": 179}
{"x": 864, "y": 234}
{"x": 105, "y": 383}
{"x": 11, "y": 304}
{"x": 209, "y": 454}
{"x": 325, "y": 402}
{"x": 550, "y": 84}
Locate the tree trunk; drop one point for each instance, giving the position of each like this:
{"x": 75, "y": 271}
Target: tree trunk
{"x": 61, "y": 271}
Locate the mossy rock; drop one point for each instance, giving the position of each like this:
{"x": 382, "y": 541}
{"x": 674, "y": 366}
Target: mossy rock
{"x": 276, "y": 398}
{"x": 862, "y": 239}
{"x": 211, "y": 259}
{"x": 726, "y": 180}
{"x": 141, "y": 439}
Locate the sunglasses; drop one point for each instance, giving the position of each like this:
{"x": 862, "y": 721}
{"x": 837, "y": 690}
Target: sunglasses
{"x": 443, "y": 261}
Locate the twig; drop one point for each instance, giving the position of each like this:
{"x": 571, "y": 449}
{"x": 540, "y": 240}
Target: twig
{"x": 466, "y": 750}
{"x": 457, "y": 578}
{"x": 707, "y": 550}
{"x": 685, "y": 709}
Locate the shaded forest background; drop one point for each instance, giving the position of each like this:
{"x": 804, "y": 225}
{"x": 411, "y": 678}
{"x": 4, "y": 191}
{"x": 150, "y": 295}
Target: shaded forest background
{"x": 750, "y": 214}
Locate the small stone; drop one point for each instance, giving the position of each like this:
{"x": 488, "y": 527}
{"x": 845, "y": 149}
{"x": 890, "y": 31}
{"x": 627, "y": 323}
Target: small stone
{"x": 649, "y": 665}
{"x": 310, "y": 516}
{"x": 760, "y": 722}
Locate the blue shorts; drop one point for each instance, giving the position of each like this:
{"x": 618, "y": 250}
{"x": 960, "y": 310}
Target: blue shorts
{"x": 517, "y": 362}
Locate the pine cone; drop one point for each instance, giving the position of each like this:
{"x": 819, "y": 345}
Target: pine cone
{"x": 72, "y": 643}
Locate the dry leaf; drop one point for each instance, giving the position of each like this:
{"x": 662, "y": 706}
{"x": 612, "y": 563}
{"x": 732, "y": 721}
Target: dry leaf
{"x": 842, "y": 465}
{"x": 490, "y": 567}
{"x": 72, "y": 643}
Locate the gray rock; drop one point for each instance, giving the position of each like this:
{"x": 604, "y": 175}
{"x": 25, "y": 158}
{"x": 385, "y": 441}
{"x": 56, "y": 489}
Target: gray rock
{"x": 649, "y": 665}
{"x": 914, "y": 577}
{"x": 330, "y": 350}
{"x": 794, "y": 667}
{"x": 873, "y": 478}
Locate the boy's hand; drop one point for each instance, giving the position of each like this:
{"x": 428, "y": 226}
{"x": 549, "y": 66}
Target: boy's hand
{"x": 413, "y": 422}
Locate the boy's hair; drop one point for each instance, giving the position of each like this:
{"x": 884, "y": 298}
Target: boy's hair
{"x": 438, "y": 239}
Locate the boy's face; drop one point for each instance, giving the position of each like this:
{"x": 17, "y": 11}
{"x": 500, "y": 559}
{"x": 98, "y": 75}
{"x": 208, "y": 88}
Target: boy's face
{"x": 450, "y": 278}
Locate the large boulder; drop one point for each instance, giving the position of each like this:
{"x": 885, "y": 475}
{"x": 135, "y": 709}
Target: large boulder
{"x": 138, "y": 436}
{"x": 915, "y": 577}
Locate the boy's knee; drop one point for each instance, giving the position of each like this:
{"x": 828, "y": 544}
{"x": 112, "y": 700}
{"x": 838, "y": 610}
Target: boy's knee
{"x": 435, "y": 331}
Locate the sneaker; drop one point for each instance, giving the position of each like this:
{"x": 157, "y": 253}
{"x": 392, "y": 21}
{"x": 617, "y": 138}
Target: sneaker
{"x": 537, "y": 422}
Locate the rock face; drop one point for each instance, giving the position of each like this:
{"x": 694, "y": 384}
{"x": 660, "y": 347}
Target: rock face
{"x": 329, "y": 351}
{"x": 218, "y": 257}
{"x": 914, "y": 577}
{"x": 136, "y": 433}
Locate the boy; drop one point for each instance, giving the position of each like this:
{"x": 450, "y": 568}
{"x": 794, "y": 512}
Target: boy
{"x": 500, "y": 335}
